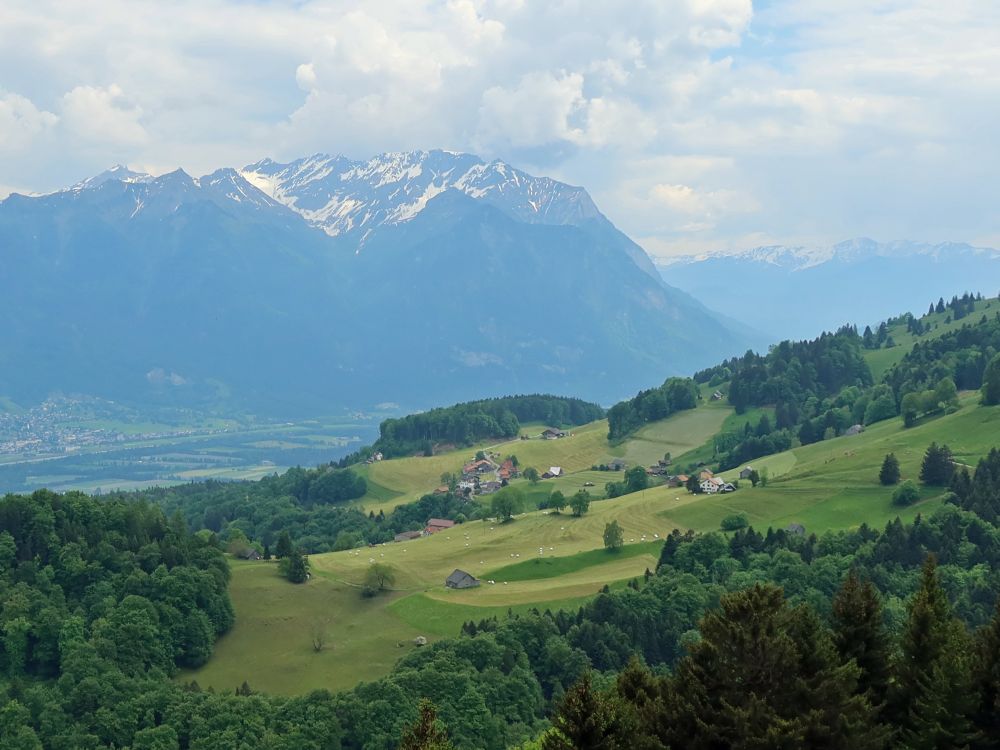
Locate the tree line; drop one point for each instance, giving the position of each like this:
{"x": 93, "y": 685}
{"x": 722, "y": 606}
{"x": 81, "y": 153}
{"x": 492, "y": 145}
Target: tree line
{"x": 676, "y": 394}
{"x": 473, "y": 421}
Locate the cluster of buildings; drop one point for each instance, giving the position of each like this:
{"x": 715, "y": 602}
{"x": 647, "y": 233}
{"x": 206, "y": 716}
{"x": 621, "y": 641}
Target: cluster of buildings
{"x": 484, "y": 476}
{"x": 60, "y": 425}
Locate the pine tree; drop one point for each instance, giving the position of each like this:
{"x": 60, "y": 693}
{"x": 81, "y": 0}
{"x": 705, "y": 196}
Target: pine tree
{"x": 425, "y": 734}
{"x": 859, "y": 634}
{"x": 938, "y": 467}
{"x": 986, "y": 684}
{"x": 991, "y": 382}
{"x": 931, "y": 700}
{"x": 766, "y": 676}
{"x": 889, "y": 473}
{"x": 284, "y": 546}
{"x": 587, "y": 720}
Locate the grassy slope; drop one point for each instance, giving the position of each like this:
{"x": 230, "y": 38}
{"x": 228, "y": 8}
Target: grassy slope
{"x": 827, "y": 485}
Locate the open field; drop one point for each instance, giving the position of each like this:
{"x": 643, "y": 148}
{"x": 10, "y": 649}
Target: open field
{"x": 548, "y": 561}
{"x": 678, "y": 434}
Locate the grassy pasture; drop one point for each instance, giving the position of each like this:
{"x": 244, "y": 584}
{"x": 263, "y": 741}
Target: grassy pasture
{"x": 827, "y": 485}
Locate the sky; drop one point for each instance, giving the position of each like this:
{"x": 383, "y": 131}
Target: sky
{"x": 697, "y": 125}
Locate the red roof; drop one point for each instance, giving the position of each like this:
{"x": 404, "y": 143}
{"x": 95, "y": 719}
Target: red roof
{"x": 439, "y": 523}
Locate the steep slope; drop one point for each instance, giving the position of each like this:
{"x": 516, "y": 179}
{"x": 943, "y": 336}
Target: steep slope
{"x": 209, "y": 291}
{"x": 796, "y": 291}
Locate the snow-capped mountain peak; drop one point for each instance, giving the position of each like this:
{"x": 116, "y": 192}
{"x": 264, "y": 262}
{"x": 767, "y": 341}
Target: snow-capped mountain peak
{"x": 118, "y": 172}
{"x": 342, "y": 196}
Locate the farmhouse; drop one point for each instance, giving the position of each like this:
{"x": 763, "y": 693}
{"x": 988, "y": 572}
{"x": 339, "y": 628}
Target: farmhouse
{"x": 554, "y": 471}
{"x": 552, "y": 433}
{"x": 705, "y": 474}
{"x": 717, "y": 396}
{"x": 434, "y": 525}
{"x": 407, "y": 536}
{"x": 459, "y": 579}
{"x": 488, "y": 488}
{"x": 617, "y": 465}
{"x": 712, "y": 485}
{"x": 856, "y": 429}
{"x": 250, "y": 554}
{"x": 795, "y": 528}
{"x": 746, "y": 471}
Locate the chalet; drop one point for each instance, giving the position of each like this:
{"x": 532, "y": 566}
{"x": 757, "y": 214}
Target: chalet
{"x": 408, "y": 536}
{"x": 656, "y": 471}
{"x": 745, "y": 472}
{"x": 507, "y": 470}
{"x": 705, "y": 474}
{"x": 442, "y": 490}
{"x": 717, "y": 396}
{"x": 553, "y": 434}
{"x": 459, "y": 579}
{"x": 856, "y": 429}
{"x": 727, "y": 487}
{"x": 795, "y": 528}
{"x": 712, "y": 485}
{"x": 488, "y": 488}
{"x": 554, "y": 471}
{"x": 250, "y": 554}
{"x": 434, "y": 525}
{"x": 617, "y": 465}
{"x": 674, "y": 480}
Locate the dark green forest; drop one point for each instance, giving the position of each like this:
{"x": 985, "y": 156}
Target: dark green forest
{"x": 676, "y": 394}
{"x": 467, "y": 423}
{"x": 778, "y": 639}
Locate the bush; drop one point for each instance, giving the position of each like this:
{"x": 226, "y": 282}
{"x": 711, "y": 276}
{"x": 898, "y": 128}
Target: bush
{"x": 906, "y": 494}
{"x": 734, "y": 522}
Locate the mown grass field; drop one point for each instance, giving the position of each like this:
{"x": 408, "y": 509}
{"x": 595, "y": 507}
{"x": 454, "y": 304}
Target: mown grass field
{"x": 546, "y": 560}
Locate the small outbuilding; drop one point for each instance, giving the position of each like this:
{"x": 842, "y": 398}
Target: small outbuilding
{"x": 795, "y": 528}
{"x": 459, "y": 579}
{"x": 746, "y": 471}
{"x": 250, "y": 554}
{"x": 855, "y": 429}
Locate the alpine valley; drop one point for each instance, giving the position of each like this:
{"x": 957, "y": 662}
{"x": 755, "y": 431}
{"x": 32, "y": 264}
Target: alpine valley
{"x": 417, "y": 278}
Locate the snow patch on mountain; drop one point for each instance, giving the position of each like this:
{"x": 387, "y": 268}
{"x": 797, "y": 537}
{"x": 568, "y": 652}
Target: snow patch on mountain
{"x": 342, "y": 196}
{"x": 801, "y": 257}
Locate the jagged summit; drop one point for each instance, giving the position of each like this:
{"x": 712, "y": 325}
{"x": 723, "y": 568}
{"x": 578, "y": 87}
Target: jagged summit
{"x": 119, "y": 172}
{"x": 342, "y": 196}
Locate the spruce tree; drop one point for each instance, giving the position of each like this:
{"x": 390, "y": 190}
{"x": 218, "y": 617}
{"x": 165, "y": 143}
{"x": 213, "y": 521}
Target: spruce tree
{"x": 284, "y": 546}
{"x": 938, "y": 467}
{"x": 889, "y": 473}
{"x": 766, "y": 676}
{"x": 425, "y": 734}
{"x": 859, "y": 634}
{"x": 991, "y": 382}
{"x": 931, "y": 700}
{"x": 587, "y": 720}
{"x": 986, "y": 684}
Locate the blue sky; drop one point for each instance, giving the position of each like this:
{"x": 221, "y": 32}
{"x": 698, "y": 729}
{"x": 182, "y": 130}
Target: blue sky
{"x": 696, "y": 124}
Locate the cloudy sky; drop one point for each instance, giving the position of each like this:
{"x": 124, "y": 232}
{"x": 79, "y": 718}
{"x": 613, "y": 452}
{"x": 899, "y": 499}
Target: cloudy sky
{"x": 696, "y": 124}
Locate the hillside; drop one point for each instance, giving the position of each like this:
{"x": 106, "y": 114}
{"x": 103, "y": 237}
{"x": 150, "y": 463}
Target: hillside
{"x": 209, "y": 292}
{"x": 826, "y": 486}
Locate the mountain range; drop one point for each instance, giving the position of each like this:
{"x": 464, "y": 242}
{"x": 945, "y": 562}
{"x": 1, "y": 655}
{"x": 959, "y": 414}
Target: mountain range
{"x": 419, "y": 278}
{"x": 795, "y": 291}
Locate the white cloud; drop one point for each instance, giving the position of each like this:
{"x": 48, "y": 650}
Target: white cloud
{"x": 691, "y": 121}
{"x": 21, "y": 122}
{"x": 103, "y": 115}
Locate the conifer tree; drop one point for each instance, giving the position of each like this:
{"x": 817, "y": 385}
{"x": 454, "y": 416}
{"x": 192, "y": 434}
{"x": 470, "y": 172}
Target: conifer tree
{"x": 284, "y": 546}
{"x": 587, "y": 720}
{"x": 991, "y": 382}
{"x": 859, "y": 634}
{"x": 931, "y": 699}
{"x": 425, "y": 734}
{"x": 986, "y": 684}
{"x": 938, "y": 467}
{"x": 889, "y": 473}
{"x": 766, "y": 676}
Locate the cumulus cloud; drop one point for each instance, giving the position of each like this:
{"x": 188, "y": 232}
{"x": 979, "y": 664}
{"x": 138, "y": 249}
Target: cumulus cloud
{"x": 103, "y": 114}
{"x": 21, "y": 122}
{"x": 691, "y": 121}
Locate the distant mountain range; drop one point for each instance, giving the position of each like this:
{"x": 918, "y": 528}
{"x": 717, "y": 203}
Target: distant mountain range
{"x": 419, "y": 278}
{"x": 797, "y": 291}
